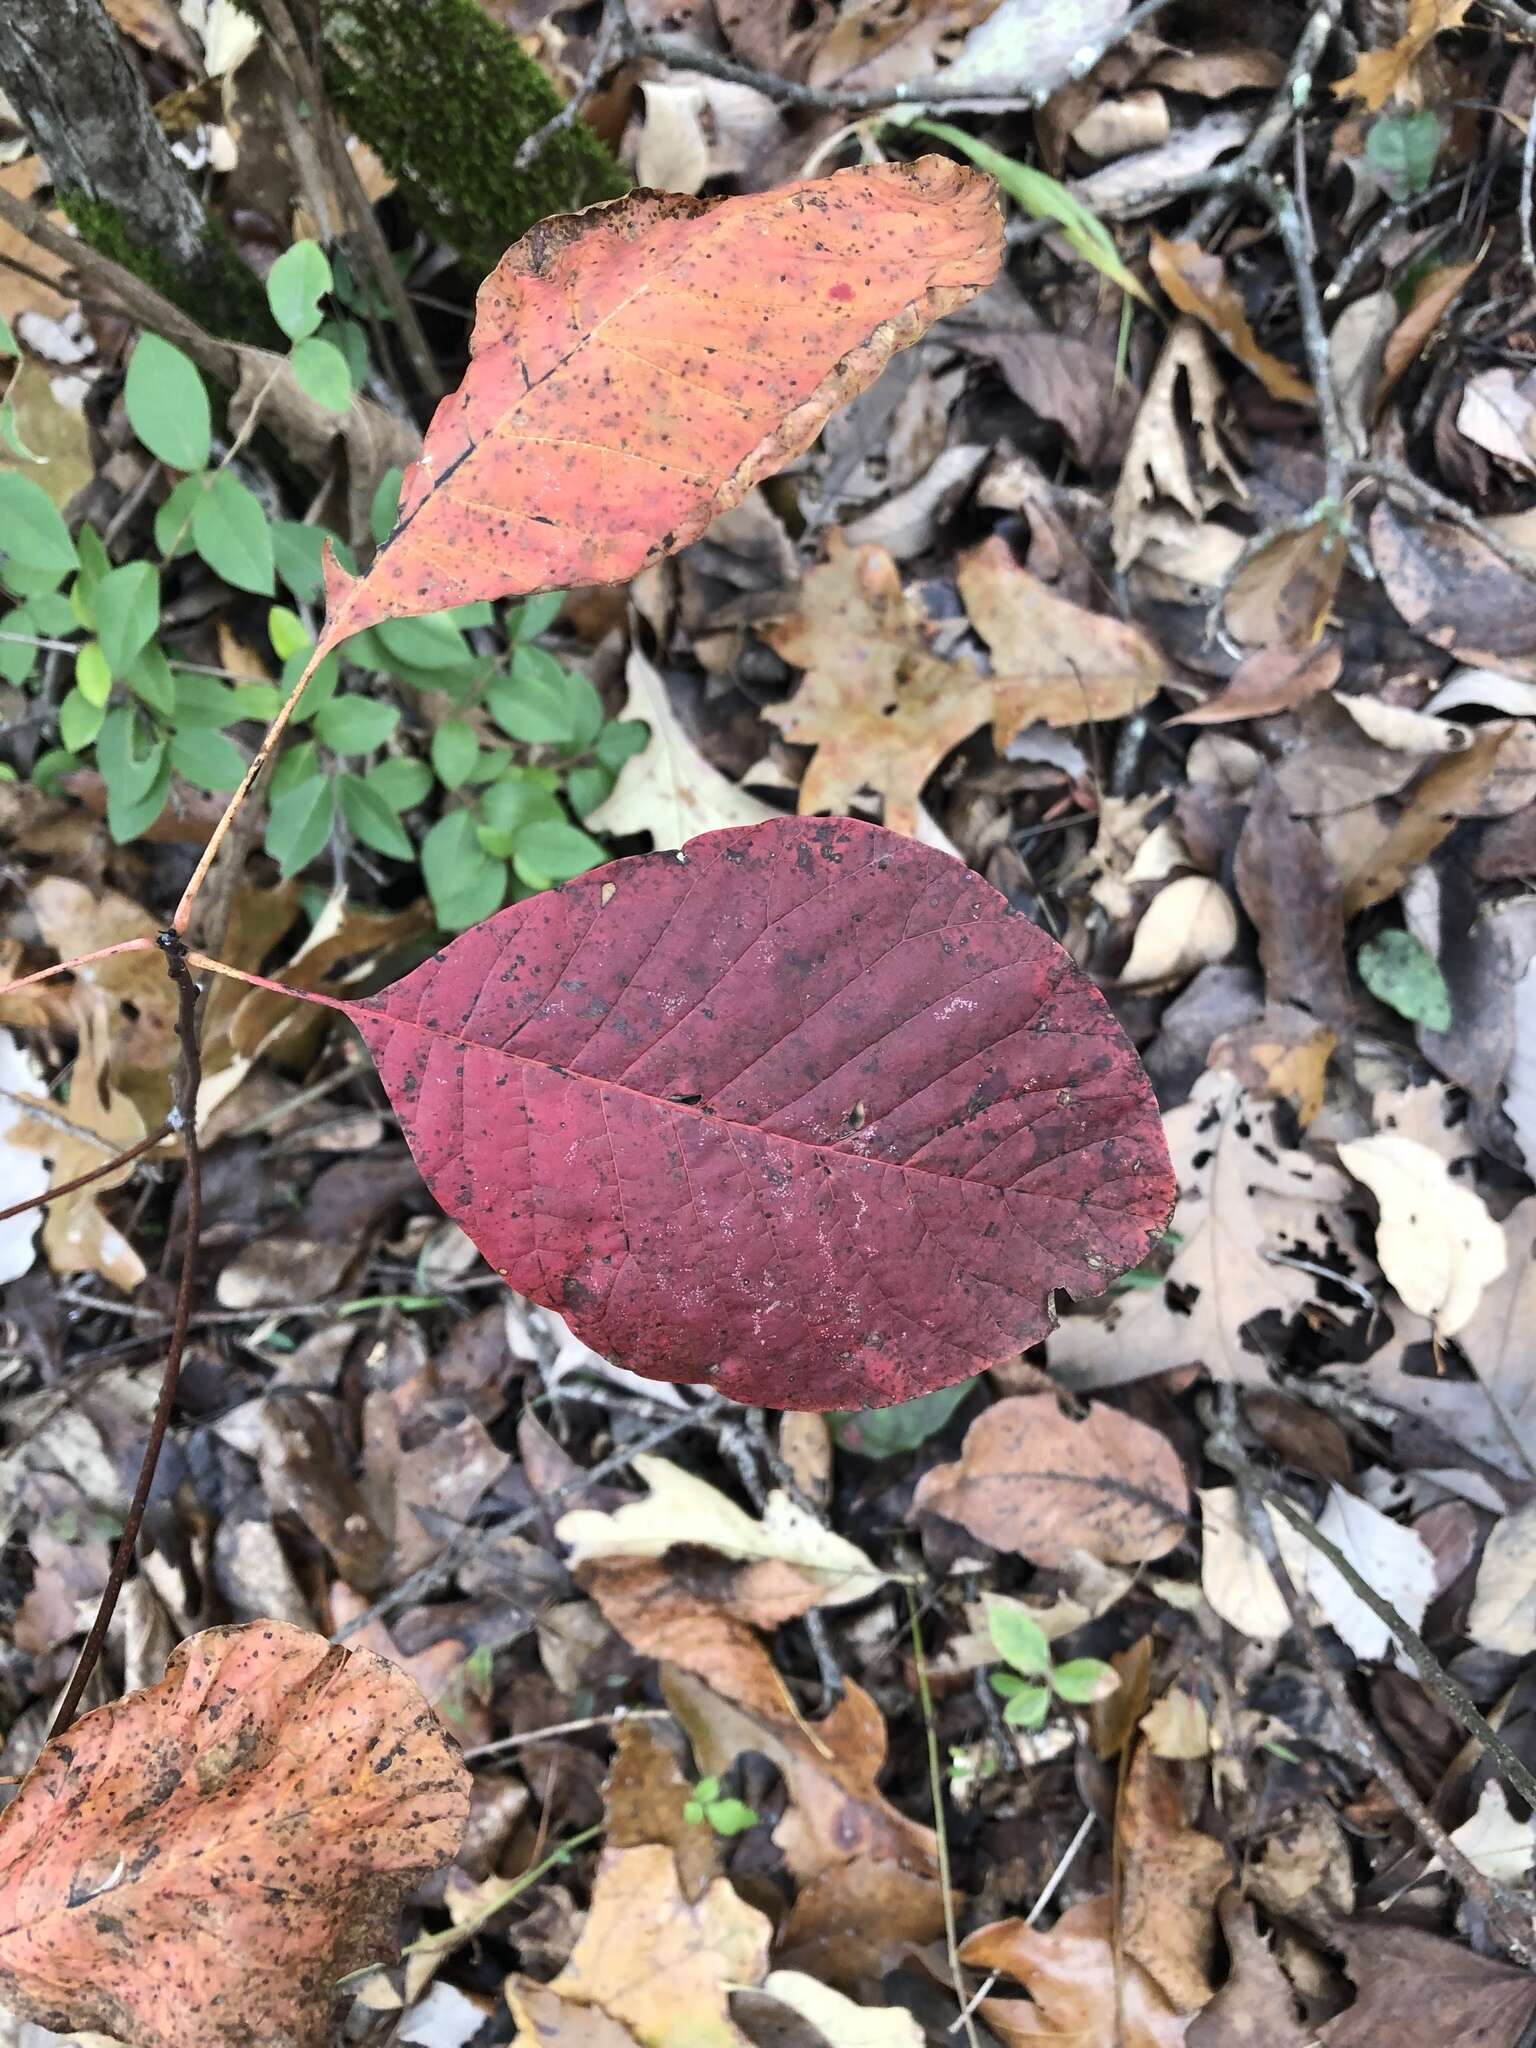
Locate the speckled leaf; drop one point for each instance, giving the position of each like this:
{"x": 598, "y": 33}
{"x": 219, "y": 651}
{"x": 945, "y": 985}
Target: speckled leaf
{"x": 200, "y": 1862}
{"x": 636, "y": 368}
{"x": 804, "y": 1110}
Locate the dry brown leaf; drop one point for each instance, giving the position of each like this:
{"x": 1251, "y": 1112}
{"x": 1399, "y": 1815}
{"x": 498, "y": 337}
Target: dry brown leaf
{"x": 20, "y": 295}
{"x": 1116, "y": 126}
{"x": 342, "y": 944}
{"x": 1433, "y": 296}
{"x": 1177, "y": 1728}
{"x": 853, "y": 1922}
{"x": 1381, "y": 75}
{"x": 77, "y": 1236}
{"x": 659, "y": 1965}
{"x": 246, "y": 1831}
{"x": 1284, "y": 594}
{"x": 888, "y": 42}
{"x": 1190, "y": 469}
{"x": 1032, "y": 1479}
{"x": 1282, "y": 1054}
{"x": 1052, "y": 661}
{"x": 1433, "y": 808}
{"x": 1475, "y": 2000}
{"x": 1449, "y": 587}
{"x": 668, "y": 789}
{"x": 1173, "y": 1876}
{"x": 1244, "y": 1195}
{"x": 1188, "y": 924}
{"x": 1081, "y": 1995}
{"x": 1197, "y": 284}
{"x": 1289, "y": 888}
{"x": 1255, "y": 2008}
{"x": 644, "y": 1801}
{"x": 1269, "y": 680}
{"x": 76, "y": 920}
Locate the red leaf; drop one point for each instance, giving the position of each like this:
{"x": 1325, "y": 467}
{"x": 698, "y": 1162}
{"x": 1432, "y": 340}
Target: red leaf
{"x": 804, "y": 1110}
{"x": 636, "y": 368}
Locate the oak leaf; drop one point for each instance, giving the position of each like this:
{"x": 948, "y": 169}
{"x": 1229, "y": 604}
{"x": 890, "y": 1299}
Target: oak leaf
{"x": 637, "y": 367}
{"x": 1197, "y": 283}
{"x": 1081, "y": 1993}
{"x": 228, "y": 1843}
{"x": 1172, "y": 1877}
{"x": 1032, "y": 1479}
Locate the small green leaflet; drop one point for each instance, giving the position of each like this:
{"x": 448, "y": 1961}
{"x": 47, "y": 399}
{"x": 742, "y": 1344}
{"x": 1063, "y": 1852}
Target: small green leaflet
{"x": 1405, "y": 975}
{"x": 322, "y": 373}
{"x": 232, "y": 534}
{"x": 167, "y": 404}
{"x": 296, "y": 283}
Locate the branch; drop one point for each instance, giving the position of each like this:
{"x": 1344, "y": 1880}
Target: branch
{"x": 188, "y": 1083}
{"x": 1382, "y": 471}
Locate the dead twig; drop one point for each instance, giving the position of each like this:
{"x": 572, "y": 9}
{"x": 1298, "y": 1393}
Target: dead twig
{"x": 614, "y": 39}
{"x": 188, "y": 1082}
{"x": 94, "y": 1173}
{"x": 1381, "y": 470}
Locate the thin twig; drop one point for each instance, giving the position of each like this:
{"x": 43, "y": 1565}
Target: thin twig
{"x": 617, "y": 1718}
{"x": 1356, "y": 257}
{"x": 1379, "y": 469}
{"x": 614, "y": 40}
{"x": 1338, "y": 449}
{"x": 188, "y": 1082}
{"x": 95, "y": 1173}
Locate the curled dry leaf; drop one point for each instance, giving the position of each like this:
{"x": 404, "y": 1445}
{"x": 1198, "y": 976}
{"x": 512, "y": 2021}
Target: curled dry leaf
{"x": 1187, "y": 925}
{"x": 681, "y": 1508}
{"x": 650, "y": 1960}
{"x": 243, "y": 1832}
{"x": 739, "y": 1094}
{"x": 1282, "y": 596}
{"x": 1382, "y": 75}
{"x": 668, "y": 789}
{"x": 1191, "y": 470}
{"x": 1082, "y": 1994}
{"x": 637, "y": 367}
{"x": 1172, "y": 1877}
{"x": 1271, "y": 679}
{"x": 1256, "y": 2007}
{"x": 1437, "y": 1243}
{"x": 1032, "y": 1479}
{"x": 1197, "y": 283}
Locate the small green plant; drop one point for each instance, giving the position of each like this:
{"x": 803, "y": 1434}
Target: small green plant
{"x": 1034, "y": 1679}
{"x": 507, "y": 816}
{"x": 726, "y": 1816}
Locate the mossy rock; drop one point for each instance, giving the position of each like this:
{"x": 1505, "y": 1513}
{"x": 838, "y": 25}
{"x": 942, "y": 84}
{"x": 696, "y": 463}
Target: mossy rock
{"x": 445, "y": 97}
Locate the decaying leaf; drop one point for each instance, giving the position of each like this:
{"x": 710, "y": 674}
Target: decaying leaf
{"x": 1475, "y": 1999}
{"x": 1381, "y": 75}
{"x": 1173, "y": 1876}
{"x": 1271, "y": 679}
{"x": 728, "y": 1061}
{"x": 637, "y": 367}
{"x": 1493, "y": 1841}
{"x": 837, "y": 2021}
{"x": 1197, "y": 283}
{"x": 1162, "y": 462}
{"x": 649, "y": 1960}
{"x": 668, "y": 789}
{"x": 244, "y": 1833}
{"x": 1034, "y": 1480}
{"x": 682, "y": 1508}
{"x": 1256, "y": 2007}
{"x": 1188, "y": 924}
{"x": 1437, "y": 1243}
{"x": 1081, "y": 1994}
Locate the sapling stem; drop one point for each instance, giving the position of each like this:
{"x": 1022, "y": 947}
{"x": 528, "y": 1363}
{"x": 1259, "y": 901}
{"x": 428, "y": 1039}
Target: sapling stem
{"x": 143, "y": 945}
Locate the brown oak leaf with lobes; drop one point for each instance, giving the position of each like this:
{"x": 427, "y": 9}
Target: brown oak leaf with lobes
{"x": 227, "y": 1844}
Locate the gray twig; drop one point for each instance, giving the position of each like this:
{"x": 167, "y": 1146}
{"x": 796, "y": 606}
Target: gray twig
{"x": 1382, "y": 471}
{"x": 615, "y": 41}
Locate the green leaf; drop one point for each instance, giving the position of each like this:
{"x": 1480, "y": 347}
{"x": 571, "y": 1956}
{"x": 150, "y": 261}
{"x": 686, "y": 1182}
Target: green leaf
{"x": 619, "y": 741}
{"x": 32, "y": 532}
{"x": 535, "y": 615}
{"x": 1083, "y": 1680}
{"x": 296, "y": 283}
{"x": 50, "y": 768}
{"x": 1043, "y": 198}
{"x": 549, "y": 850}
{"x": 401, "y": 783}
{"x": 539, "y": 704}
{"x": 707, "y": 1789}
{"x": 128, "y": 817}
{"x": 320, "y": 688}
{"x": 79, "y": 721}
{"x": 93, "y": 679}
{"x": 587, "y": 788}
{"x": 17, "y": 659}
{"x": 1006, "y": 1683}
{"x": 206, "y": 759}
{"x": 1402, "y": 973}
{"x": 464, "y": 883}
{"x": 890, "y": 1432}
{"x": 296, "y": 551}
{"x": 7, "y": 339}
{"x": 322, "y": 374}
{"x": 95, "y": 563}
{"x": 431, "y": 642}
{"x": 295, "y": 765}
{"x": 173, "y": 521}
{"x": 1019, "y": 1640}
{"x": 127, "y": 607}
{"x": 1028, "y": 1707}
{"x": 299, "y": 824}
{"x": 349, "y": 338}
{"x": 53, "y": 613}
{"x": 455, "y": 751}
{"x": 508, "y": 807}
{"x": 167, "y": 404}
{"x": 372, "y": 819}
{"x": 730, "y": 1816}
{"x": 152, "y": 682}
{"x": 127, "y": 772}
{"x": 257, "y": 700}
{"x": 693, "y": 1813}
{"x": 231, "y": 533}
{"x": 385, "y": 509}
{"x": 355, "y": 724}
{"x": 286, "y": 633}
{"x": 11, "y": 434}
{"x": 204, "y": 701}
{"x": 1401, "y": 149}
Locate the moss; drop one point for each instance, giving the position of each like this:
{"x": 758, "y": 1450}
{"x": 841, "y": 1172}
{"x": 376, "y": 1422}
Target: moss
{"x": 220, "y": 292}
{"x": 445, "y": 97}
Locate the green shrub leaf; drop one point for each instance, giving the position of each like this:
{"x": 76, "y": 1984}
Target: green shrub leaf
{"x": 296, "y": 283}
{"x": 299, "y": 824}
{"x": 127, "y": 608}
{"x": 32, "y": 531}
{"x": 232, "y": 534}
{"x": 167, "y": 404}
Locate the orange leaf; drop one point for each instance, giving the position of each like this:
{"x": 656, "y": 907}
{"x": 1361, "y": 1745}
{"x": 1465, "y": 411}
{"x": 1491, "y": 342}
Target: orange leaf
{"x": 1078, "y": 1997}
{"x": 636, "y": 368}
{"x": 1381, "y": 75}
{"x": 1197, "y": 284}
{"x": 203, "y": 1860}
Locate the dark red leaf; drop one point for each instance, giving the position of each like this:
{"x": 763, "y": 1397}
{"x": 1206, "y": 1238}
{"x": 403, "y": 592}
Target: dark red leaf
{"x": 804, "y": 1110}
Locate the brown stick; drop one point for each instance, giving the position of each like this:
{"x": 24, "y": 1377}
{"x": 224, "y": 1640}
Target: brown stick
{"x": 188, "y": 1083}
{"x": 83, "y": 1180}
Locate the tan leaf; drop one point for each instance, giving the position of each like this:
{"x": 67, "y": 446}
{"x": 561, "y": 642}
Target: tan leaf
{"x": 247, "y": 1830}
{"x": 1271, "y": 679}
{"x": 837, "y": 2020}
{"x": 1187, "y": 925}
{"x": 75, "y": 920}
{"x": 1177, "y": 1727}
{"x": 1081, "y": 1993}
{"x": 1197, "y": 284}
{"x": 1191, "y": 470}
{"x": 668, "y": 789}
{"x": 1173, "y": 1876}
{"x": 1437, "y": 1243}
{"x": 1503, "y": 1615}
{"x": 1430, "y": 813}
{"x": 1433, "y": 296}
{"x": 660, "y": 1966}
{"x": 1031, "y": 1479}
{"x": 1284, "y": 594}
{"x": 1381, "y": 75}
{"x": 1256, "y": 2007}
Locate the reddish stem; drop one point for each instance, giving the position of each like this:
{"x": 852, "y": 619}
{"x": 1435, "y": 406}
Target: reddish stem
{"x": 83, "y": 1180}
{"x": 144, "y": 945}
{"x": 277, "y": 988}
